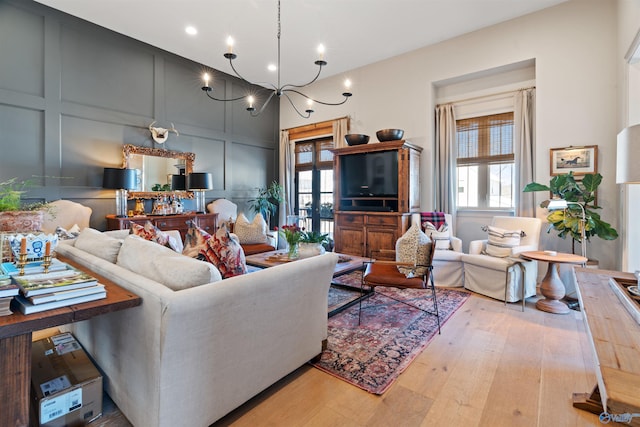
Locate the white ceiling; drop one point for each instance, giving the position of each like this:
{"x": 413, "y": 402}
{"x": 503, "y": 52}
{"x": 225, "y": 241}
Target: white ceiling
{"x": 354, "y": 32}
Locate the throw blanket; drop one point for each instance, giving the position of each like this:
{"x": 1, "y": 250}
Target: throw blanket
{"x": 435, "y": 218}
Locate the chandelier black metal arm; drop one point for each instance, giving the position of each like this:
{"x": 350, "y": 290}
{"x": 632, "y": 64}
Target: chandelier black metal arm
{"x": 275, "y": 90}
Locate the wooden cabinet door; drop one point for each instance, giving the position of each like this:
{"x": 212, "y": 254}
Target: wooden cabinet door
{"x": 380, "y": 238}
{"x": 349, "y": 241}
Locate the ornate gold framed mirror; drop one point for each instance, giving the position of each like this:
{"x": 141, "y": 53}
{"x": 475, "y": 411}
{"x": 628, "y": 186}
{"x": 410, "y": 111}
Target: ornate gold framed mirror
{"x": 154, "y": 167}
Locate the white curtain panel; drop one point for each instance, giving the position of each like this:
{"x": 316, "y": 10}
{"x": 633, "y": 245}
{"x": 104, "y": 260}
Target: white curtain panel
{"x": 524, "y": 133}
{"x": 287, "y": 165}
{"x": 445, "y": 175}
{"x": 340, "y": 129}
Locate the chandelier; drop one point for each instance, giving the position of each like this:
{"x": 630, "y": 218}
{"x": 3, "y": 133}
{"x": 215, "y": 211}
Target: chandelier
{"x": 278, "y": 89}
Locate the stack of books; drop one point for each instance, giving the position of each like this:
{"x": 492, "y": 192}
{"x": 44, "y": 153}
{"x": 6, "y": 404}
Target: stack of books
{"x": 65, "y": 286}
{"x": 7, "y": 291}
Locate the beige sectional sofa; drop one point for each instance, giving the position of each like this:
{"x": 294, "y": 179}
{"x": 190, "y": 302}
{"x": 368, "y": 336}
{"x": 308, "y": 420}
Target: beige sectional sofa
{"x": 187, "y": 357}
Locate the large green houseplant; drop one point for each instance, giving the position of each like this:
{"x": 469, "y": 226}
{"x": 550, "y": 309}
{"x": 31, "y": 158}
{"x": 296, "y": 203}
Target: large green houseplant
{"x": 266, "y": 201}
{"x": 567, "y": 222}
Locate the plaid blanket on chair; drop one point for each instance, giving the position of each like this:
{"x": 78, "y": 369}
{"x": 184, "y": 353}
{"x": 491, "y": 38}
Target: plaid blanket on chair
{"x": 435, "y": 218}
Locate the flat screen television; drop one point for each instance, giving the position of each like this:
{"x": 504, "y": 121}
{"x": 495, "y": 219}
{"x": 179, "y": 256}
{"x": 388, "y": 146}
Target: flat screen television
{"x": 369, "y": 174}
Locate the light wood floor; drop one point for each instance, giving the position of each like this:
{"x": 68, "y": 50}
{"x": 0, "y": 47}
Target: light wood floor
{"x": 492, "y": 366}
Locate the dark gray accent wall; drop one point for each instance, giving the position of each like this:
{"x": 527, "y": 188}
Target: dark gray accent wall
{"x": 73, "y": 93}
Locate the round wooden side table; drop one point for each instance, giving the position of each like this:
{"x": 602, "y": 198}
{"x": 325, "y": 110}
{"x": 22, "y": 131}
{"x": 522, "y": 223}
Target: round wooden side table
{"x": 552, "y": 287}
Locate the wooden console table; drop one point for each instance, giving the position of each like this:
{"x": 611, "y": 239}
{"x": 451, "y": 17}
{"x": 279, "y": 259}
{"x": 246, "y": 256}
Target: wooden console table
{"x": 615, "y": 338}
{"x": 15, "y": 344}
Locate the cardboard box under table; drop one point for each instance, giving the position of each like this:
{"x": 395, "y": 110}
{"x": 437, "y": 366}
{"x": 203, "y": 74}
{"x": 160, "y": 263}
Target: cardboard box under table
{"x": 66, "y": 387}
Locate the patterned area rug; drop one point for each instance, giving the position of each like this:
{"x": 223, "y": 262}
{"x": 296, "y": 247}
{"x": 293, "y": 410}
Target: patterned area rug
{"x": 391, "y": 334}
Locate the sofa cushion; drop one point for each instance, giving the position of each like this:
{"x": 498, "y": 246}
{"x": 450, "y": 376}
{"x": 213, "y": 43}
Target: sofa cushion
{"x": 150, "y": 232}
{"x": 413, "y": 247}
{"x": 501, "y": 241}
{"x": 220, "y": 249}
{"x": 98, "y": 244}
{"x": 250, "y": 232}
{"x": 163, "y": 265}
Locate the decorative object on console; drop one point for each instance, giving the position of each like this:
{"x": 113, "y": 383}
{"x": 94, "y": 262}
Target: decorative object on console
{"x": 120, "y": 180}
{"x": 160, "y": 135}
{"x": 389, "y": 134}
{"x": 34, "y": 245}
{"x": 356, "y": 139}
{"x": 198, "y": 182}
{"x": 279, "y": 89}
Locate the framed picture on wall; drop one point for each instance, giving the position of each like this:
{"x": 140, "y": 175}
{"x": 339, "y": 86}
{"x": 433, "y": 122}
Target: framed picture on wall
{"x": 579, "y": 160}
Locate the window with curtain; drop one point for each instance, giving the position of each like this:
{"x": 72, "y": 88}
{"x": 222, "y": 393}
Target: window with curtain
{"x": 485, "y": 162}
{"x": 314, "y": 183}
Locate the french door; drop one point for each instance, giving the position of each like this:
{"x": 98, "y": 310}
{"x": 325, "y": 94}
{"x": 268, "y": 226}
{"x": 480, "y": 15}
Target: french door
{"x": 314, "y": 185}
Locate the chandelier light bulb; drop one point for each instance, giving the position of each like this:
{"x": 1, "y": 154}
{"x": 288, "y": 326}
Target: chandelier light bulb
{"x": 347, "y": 84}
{"x": 250, "y": 99}
{"x": 230, "y": 44}
{"x": 321, "y": 52}
{"x": 206, "y": 79}
{"x": 272, "y": 67}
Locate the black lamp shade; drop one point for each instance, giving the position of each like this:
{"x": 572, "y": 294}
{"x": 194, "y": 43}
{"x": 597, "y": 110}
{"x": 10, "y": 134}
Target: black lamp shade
{"x": 200, "y": 181}
{"x": 119, "y": 179}
{"x": 178, "y": 182}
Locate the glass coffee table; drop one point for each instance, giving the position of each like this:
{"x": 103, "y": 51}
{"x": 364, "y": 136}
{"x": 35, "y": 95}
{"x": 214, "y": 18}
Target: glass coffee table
{"x": 346, "y": 264}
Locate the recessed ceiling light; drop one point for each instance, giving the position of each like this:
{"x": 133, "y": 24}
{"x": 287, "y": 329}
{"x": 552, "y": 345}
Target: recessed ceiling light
{"x": 272, "y": 67}
{"x": 191, "y": 30}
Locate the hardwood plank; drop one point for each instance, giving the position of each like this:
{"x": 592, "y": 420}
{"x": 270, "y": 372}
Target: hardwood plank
{"x": 464, "y": 377}
{"x": 15, "y": 371}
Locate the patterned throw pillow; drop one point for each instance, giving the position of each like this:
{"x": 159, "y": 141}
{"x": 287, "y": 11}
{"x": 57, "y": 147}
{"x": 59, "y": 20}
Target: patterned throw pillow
{"x": 413, "y": 247}
{"x": 150, "y": 232}
{"x": 440, "y": 235}
{"x": 219, "y": 249}
{"x": 500, "y": 241}
{"x": 251, "y": 232}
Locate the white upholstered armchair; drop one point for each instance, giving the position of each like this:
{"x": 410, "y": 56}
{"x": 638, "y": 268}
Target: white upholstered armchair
{"x": 503, "y": 275}
{"x": 447, "y": 260}
{"x": 65, "y": 214}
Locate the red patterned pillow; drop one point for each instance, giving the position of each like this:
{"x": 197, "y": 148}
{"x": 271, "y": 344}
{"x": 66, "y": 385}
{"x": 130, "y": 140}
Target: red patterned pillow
{"x": 219, "y": 249}
{"x": 148, "y": 231}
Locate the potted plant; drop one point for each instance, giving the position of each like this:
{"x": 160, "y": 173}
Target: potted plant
{"x": 568, "y": 222}
{"x": 265, "y": 202}
{"x": 311, "y": 243}
{"x": 14, "y": 214}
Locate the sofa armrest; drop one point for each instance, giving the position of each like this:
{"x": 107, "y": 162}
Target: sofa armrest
{"x": 456, "y": 244}
{"x": 476, "y": 247}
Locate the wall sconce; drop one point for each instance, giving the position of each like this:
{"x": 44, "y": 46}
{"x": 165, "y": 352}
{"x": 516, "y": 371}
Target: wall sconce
{"x": 120, "y": 180}
{"x": 628, "y": 156}
{"x": 198, "y": 182}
